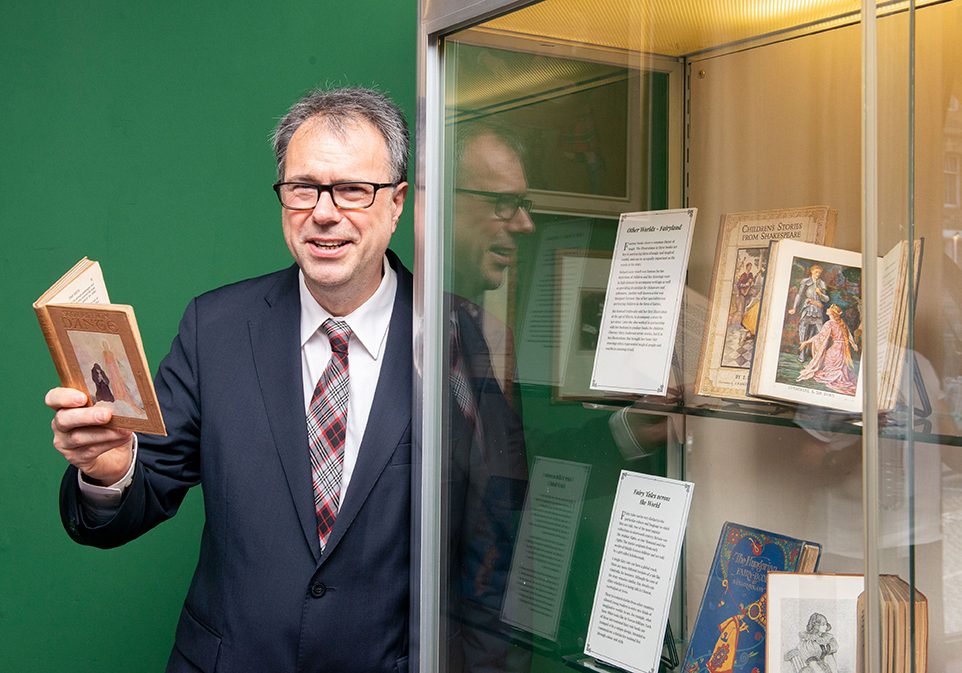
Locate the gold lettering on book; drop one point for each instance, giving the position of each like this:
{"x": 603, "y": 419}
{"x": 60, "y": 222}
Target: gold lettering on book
{"x": 89, "y": 322}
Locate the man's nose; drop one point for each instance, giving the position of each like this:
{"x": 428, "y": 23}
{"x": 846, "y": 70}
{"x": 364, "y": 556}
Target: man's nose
{"x": 325, "y": 211}
{"x": 521, "y": 223}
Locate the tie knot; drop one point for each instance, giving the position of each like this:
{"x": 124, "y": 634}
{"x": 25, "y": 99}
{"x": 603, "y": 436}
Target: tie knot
{"x": 339, "y": 333}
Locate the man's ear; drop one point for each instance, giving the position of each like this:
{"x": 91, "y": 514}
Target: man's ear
{"x": 400, "y": 193}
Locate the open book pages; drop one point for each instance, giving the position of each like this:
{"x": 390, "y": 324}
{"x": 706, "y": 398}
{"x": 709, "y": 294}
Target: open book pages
{"x": 810, "y": 331}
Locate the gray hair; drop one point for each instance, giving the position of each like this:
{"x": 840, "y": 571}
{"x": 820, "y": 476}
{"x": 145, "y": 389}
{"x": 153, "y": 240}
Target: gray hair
{"x": 340, "y": 108}
{"x": 467, "y": 132}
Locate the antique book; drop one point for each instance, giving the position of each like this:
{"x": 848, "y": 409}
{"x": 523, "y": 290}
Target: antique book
{"x": 900, "y": 652}
{"x": 810, "y": 325}
{"x": 812, "y": 622}
{"x": 729, "y": 630}
{"x": 96, "y": 348}
{"x": 741, "y": 259}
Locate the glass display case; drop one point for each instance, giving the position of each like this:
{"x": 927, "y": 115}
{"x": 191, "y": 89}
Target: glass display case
{"x": 540, "y": 125}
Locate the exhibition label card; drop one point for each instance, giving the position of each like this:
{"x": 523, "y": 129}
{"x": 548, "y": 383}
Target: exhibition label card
{"x": 643, "y": 302}
{"x": 630, "y": 610}
{"x": 546, "y": 540}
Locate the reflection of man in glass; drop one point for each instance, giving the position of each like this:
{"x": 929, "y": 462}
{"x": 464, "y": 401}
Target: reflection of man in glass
{"x": 487, "y": 472}
{"x": 490, "y": 208}
{"x": 812, "y": 296}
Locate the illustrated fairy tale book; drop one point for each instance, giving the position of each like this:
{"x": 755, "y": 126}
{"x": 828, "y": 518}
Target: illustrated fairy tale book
{"x": 97, "y": 349}
{"x": 741, "y": 259}
{"x": 810, "y": 325}
{"x": 729, "y": 631}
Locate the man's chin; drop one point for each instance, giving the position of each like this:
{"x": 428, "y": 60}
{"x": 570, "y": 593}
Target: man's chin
{"x": 494, "y": 279}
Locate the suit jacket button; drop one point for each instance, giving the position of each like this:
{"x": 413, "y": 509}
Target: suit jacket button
{"x": 318, "y": 589}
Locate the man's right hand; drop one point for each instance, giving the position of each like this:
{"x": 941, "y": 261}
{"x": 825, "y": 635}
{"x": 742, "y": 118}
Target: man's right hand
{"x": 102, "y": 454}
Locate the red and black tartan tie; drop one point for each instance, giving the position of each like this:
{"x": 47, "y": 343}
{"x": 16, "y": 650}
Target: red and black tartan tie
{"x": 459, "y": 382}
{"x": 327, "y": 428}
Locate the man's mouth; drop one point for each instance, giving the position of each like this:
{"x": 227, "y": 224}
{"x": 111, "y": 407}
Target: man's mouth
{"x": 324, "y": 245}
{"x": 504, "y": 253}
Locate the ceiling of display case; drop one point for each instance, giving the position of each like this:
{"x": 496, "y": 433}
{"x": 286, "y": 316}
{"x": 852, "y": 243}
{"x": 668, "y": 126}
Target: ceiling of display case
{"x": 491, "y": 80}
{"x": 673, "y": 28}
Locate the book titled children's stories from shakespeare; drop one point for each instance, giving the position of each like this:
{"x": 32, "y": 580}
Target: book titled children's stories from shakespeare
{"x": 96, "y": 348}
{"x": 741, "y": 259}
{"x": 729, "y": 631}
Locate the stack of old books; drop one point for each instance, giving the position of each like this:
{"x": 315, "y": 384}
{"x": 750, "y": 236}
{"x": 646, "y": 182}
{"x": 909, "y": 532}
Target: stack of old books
{"x": 904, "y": 639}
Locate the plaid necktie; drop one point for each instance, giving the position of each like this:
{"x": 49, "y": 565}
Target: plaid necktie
{"x": 460, "y": 385}
{"x": 327, "y": 427}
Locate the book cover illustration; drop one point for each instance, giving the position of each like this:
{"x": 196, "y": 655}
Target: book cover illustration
{"x": 729, "y": 631}
{"x": 821, "y": 335}
{"x": 810, "y": 325}
{"x": 738, "y": 277}
{"x": 812, "y": 622}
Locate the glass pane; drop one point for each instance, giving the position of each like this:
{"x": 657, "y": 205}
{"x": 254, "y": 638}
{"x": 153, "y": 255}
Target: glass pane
{"x": 583, "y": 136}
{"x": 559, "y": 118}
{"x": 920, "y": 133}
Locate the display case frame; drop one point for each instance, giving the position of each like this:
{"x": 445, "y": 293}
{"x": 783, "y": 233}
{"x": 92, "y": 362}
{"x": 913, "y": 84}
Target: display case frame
{"x": 879, "y": 436}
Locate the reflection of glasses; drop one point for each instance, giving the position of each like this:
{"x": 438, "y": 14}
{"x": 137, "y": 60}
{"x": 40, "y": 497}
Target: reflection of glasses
{"x": 506, "y": 204}
{"x": 344, "y": 195}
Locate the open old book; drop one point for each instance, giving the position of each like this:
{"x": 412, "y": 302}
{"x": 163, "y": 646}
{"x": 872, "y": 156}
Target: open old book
{"x": 810, "y": 325}
{"x": 96, "y": 348}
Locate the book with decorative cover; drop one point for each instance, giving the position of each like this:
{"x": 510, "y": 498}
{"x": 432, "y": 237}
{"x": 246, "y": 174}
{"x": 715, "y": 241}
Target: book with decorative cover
{"x": 96, "y": 348}
{"x": 729, "y": 631}
{"x": 741, "y": 258}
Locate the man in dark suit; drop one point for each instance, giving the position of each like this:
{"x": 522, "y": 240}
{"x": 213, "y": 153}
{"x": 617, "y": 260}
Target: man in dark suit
{"x": 487, "y": 465}
{"x": 289, "y": 398}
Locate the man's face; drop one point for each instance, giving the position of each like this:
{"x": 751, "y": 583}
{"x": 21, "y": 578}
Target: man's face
{"x": 484, "y": 244}
{"x": 340, "y": 251}
{"x": 816, "y": 273}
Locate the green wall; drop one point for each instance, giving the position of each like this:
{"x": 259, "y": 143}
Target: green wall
{"x": 137, "y": 134}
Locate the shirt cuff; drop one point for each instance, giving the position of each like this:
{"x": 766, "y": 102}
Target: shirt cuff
{"x": 108, "y": 496}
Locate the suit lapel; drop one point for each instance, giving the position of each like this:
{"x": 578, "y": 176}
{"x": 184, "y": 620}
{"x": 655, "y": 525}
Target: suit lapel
{"x": 277, "y": 359}
{"x": 390, "y": 412}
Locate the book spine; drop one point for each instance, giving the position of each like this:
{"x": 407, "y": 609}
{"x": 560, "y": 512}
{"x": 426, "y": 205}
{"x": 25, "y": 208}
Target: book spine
{"x": 53, "y": 344}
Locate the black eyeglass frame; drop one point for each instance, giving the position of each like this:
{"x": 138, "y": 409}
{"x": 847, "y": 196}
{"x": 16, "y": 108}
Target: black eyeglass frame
{"x": 320, "y": 189}
{"x": 512, "y": 200}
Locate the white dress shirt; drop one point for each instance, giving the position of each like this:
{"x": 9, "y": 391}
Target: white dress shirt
{"x": 369, "y": 325}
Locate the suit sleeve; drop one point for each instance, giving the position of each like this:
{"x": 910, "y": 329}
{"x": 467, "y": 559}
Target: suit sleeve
{"x": 166, "y": 466}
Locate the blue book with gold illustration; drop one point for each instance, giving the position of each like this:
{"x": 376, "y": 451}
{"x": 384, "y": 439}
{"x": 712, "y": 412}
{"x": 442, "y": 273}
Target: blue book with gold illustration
{"x": 729, "y": 632}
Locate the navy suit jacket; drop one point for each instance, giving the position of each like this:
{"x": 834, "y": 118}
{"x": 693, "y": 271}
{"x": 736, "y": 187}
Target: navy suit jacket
{"x": 263, "y": 596}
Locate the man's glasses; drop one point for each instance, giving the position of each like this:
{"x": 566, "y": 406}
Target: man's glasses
{"x": 344, "y": 195}
{"x": 506, "y": 204}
